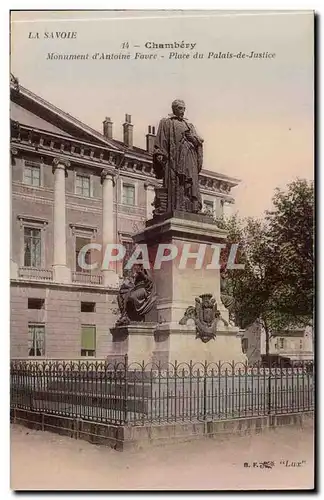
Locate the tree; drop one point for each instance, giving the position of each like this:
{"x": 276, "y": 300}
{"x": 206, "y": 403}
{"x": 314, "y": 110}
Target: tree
{"x": 251, "y": 287}
{"x": 291, "y": 232}
{"x": 276, "y": 285}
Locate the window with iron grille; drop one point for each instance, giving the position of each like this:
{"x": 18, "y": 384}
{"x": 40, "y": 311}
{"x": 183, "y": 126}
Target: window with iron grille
{"x": 82, "y": 185}
{"x": 32, "y": 247}
{"x": 88, "y": 340}
{"x": 128, "y": 194}
{"x": 281, "y": 343}
{"x": 32, "y": 175}
{"x": 36, "y": 340}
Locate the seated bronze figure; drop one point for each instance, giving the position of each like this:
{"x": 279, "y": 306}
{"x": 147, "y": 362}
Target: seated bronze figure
{"x": 136, "y": 297}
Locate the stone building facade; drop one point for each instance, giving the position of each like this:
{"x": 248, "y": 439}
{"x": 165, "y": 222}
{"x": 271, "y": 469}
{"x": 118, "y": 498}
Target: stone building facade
{"x": 71, "y": 185}
{"x": 295, "y": 344}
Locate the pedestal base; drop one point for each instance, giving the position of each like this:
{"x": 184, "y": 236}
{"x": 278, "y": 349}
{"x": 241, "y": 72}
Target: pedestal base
{"x": 136, "y": 340}
{"x": 151, "y": 344}
{"x": 176, "y": 343}
{"x": 204, "y": 218}
{"x": 192, "y": 272}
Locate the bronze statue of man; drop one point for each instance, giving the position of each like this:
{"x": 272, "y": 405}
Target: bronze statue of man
{"x": 177, "y": 159}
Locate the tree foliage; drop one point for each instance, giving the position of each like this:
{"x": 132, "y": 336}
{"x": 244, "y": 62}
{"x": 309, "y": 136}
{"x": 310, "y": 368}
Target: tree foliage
{"x": 276, "y": 284}
{"x": 291, "y": 230}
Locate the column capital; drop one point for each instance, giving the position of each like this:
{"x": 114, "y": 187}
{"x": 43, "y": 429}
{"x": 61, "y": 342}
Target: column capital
{"x": 13, "y": 150}
{"x": 149, "y": 187}
{"x": 61, "y": 163}
{"x": 107, "y": 175}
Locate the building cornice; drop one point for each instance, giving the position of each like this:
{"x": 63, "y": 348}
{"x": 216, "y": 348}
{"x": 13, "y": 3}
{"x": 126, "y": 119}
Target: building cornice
{"x": 233, "y": 181}
{"x": 21, "y": 282}
{"x": 25, "y": 139}
{"x": 136, "y": 160}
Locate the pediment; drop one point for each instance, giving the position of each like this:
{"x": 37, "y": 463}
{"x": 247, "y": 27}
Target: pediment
{"x": 30, "y": 119}
{"x": 33, "y": 111}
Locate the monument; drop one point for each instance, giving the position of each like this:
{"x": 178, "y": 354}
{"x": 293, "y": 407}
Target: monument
{"x": 177, "y": 312}
{"x": 177, "y": 159}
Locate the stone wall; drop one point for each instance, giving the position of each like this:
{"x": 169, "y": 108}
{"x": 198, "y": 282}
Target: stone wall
{"x": 126, "y": 437}
{"x": 62, "y": 318}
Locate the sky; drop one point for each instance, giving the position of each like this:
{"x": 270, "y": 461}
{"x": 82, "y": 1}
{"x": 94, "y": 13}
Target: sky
{"x": 256, "y": 115}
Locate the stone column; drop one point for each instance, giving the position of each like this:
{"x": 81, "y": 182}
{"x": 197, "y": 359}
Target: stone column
{"x": 62, "y": 274}
{"x": 150, "y": 195}
{"x": 110, "y": 277}
{"x": 13, "y": 264}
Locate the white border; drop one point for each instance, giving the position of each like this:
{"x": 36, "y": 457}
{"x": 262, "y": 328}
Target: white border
{"x": 5, "y": 197}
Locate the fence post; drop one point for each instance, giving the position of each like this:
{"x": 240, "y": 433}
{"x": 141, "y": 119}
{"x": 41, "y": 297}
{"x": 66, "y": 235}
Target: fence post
{"x": 205, "y": 390}
{"x": 126, "y": 390}
{"x": 31, "y": 389}
{"x": 269, "y": 390}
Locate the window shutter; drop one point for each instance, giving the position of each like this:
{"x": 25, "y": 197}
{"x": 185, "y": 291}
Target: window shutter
{"x": 88, "y": 337}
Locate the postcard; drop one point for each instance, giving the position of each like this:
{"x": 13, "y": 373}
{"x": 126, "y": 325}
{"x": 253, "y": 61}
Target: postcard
{"x": 162, "y": 250}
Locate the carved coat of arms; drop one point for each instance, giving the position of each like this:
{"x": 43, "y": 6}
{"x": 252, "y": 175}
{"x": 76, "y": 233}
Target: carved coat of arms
{"x": 205, "y": 315}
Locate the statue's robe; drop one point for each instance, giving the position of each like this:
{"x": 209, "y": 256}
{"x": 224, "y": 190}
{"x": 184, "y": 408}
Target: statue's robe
{"x": 181, "y": 147}
{"x": 142, "y": 297}
{"x": 136, "y": 298}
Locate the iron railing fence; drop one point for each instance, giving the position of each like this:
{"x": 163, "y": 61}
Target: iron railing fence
{"x": 157, "y": 393}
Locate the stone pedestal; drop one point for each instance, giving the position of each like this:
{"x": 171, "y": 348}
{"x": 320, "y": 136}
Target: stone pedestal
{"x": 180, "y": 280}
{"x": 195, "y": 241}
{"x": 182, "y": 345}
{"x": 135, "y": 340}
{"x": 154, "y": 345}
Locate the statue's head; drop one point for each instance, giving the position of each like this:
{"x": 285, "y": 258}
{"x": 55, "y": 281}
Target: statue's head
{"x": 178, "y": 108}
